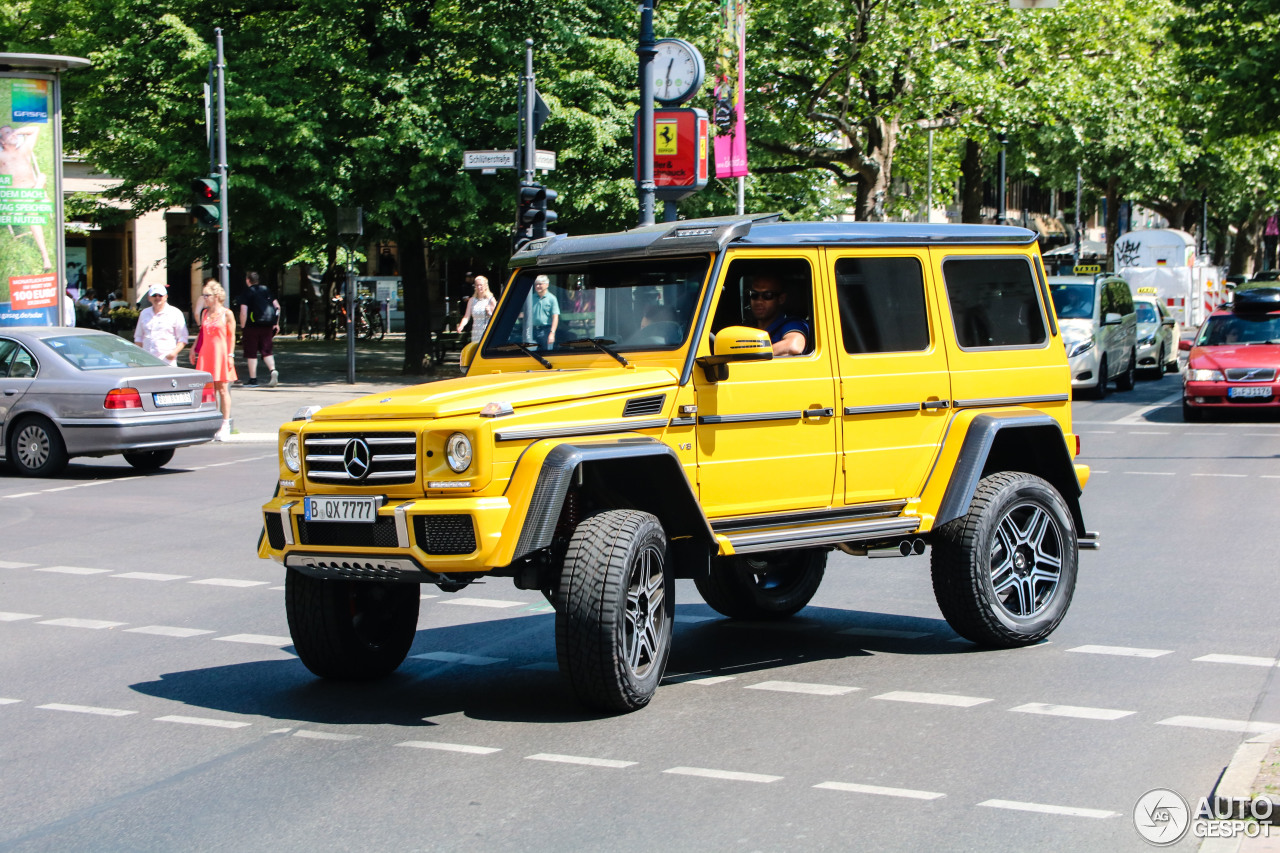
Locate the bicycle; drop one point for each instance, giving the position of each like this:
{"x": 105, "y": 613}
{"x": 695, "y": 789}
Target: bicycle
{"x": 369, "y": 322}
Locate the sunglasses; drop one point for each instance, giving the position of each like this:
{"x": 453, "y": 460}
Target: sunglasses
{"x": 766, "y": 295}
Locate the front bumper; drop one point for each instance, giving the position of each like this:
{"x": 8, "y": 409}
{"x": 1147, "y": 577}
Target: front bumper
{"x": 1084, "y": 369}
{"x": 1210, "y": 395}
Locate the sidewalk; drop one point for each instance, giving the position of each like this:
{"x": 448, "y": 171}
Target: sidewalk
{"x": 314, "y": 373}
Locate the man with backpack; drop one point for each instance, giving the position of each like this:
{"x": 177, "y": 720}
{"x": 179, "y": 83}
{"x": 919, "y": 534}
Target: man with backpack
{"x": 260, "y": 320}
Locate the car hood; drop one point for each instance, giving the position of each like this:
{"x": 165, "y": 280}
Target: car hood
{"x": 466, "y": 395}
{"x": 1076, "y": 327}
{"x": 1233, "y": 355}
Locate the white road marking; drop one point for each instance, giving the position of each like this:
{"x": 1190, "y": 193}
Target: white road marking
{"x": 932, "y": 698}
{"x": 1270, "y": 476}
{"x": 1236, "y": 476}
{"x": 1042, "y": 808}
{"x": 802, "y": 687}
{"x": 1136, "y": 432}
{"x": 885, "y": 632}
{"x": 23, "y": 495}
{"x": 167, "y": 631}
{"x": 1153, "y": 473}
{"x": 1244, "y": 660}
{"x": 1072, "y": 711}
{"x": 257, "y": 639}
{"x": 693, "y": 620}
{"x": 455, "y": 657}
{"x": 17, "y": 617}
{"x": 95, "y": 624}
{"x": 577, "y": 759}
{"x": 1138, "y": 418}
{"x": 701, "y": 680}
{"x": 451, "y": 747}
{"x": 880, "y": 789}
{"x": 1220, "y": 725}
{"x": 483, "y": 602}
{"x": 423, "y": 597}
{"x": 731, "y": 775}
{"x": 74, "y": 570}
{"x": 151, "y": 576}
{"x": 9, "y": 701}
{"x": 323, "y": 735}
{"x": 77, "y": 486}
{"x": 1123, "y": 651}
{"x": 230, "y": 582}
{"x": 6, "y": 564}
{"x": 87, "y": 709}
{"x": 1206, "y": 434}
{"x": 278, "y": 588}
{"x": 202, "y": 721}
{"x": 1095, "y": 471}
{"x": 1100, "y": 432}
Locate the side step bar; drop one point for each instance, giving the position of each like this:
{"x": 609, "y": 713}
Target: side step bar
{"x": 821, "y": 534}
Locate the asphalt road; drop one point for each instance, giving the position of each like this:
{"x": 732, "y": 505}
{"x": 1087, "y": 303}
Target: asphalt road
{"x": 149, "y": 699}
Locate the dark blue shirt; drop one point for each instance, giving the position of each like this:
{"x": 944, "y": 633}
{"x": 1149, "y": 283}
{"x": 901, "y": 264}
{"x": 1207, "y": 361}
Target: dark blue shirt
{"x": 782, "y": 325}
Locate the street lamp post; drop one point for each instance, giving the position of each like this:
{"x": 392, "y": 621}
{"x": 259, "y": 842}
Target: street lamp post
{"x": 1001, "y": 212}
{"x": 644, "y": 145}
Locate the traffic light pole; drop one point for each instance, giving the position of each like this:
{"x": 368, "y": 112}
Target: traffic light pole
{"x": 224, "y": 226}
{"x": 530, "y": 148}
{"x": 644, "y": 145}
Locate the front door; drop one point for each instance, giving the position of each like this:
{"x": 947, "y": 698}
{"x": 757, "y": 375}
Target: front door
{"x": 17, "y": 369}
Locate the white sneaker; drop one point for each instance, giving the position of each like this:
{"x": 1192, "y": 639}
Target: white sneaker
{"x": 224, "y": 432}
{"x": 274, "y": 380}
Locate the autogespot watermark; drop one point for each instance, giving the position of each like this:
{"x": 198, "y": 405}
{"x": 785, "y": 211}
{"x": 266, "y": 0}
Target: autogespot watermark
{"x": 1162, "y": 817}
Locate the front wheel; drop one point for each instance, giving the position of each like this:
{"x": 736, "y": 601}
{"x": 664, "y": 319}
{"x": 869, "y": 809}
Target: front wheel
{"x": 350, "y": 630}
{"x": 614, "y": 609}
{"x": 1004, "y": 573}
{"x": 36, "y": 448}
{"x": 148, "y": 460}
{"x": 1100, "y": 390}
{"x": 1125, "y": 381}
{"x": 763, "y": 586}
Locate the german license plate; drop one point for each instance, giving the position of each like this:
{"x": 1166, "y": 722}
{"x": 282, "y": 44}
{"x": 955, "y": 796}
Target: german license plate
{"x": 341, "y": 509}
{"x": 1249, "y": 391}
{"x": 173, "y": 398}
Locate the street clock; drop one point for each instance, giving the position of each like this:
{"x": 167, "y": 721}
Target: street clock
{"x": 678, "y": 71}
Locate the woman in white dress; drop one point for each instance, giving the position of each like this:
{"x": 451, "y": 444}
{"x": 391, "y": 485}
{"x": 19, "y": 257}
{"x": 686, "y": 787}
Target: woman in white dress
{"x": 480, "y": 307}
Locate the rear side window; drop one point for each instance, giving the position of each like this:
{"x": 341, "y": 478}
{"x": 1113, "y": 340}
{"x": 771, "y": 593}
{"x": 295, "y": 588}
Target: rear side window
{"x": 882, "y": 307}
{"x": 993, "y": 302}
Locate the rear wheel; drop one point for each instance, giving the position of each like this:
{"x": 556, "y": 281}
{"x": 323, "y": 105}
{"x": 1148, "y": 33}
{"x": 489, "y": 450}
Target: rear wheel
{"x": 1004, "y": 573}
{"x": 350, "y": 630}
{"x": 36, "y": 448}
{"x": 614, "y": 610}
{"x": 148, "y": 460}
{"x": 1125, "y": 381}
{"x": 763, "y": 586}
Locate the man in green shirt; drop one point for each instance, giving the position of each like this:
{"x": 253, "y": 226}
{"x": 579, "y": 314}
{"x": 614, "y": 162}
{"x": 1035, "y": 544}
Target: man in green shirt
{"x": 545, "y": 316}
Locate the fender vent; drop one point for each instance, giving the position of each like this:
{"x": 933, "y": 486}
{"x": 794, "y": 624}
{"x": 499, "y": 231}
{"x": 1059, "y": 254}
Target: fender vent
{"x": 640, "y": 406}
{"x": 275, "y": 530}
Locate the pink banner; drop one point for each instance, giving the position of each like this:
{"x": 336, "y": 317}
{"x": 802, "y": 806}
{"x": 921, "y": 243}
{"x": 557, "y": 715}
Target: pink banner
{"x": 730, "y": 91}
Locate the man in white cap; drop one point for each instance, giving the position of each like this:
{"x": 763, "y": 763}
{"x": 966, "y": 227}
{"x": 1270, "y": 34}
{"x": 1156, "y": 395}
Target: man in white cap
{"x": 161, "y": 329}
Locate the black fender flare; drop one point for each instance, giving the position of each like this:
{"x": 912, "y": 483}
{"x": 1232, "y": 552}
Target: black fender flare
{"x": 1024, "y": 440}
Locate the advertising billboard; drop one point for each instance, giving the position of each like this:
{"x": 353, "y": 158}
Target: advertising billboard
{"x": 30, "y": 294}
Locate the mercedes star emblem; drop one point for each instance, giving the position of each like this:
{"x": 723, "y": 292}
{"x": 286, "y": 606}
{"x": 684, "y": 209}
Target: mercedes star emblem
{"x": 356, "y": 458}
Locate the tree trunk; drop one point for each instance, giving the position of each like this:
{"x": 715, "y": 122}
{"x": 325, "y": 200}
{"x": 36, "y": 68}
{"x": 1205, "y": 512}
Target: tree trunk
{"x": 971, "y": 182}
{"x": 874, "y": 176}
{"x": 1113, "y": 219}
{"x": 417, "y": 307}
{"x": 328, "y": 286}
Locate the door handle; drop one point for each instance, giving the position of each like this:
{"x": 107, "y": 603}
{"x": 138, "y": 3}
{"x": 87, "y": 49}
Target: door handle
{"x": 9, "y": 392}
{"x": 820, "y": 413}
{"x": 935, "y": 404}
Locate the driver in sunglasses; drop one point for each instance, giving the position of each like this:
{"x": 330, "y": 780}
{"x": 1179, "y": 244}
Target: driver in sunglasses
{"x": 768, "y": 297}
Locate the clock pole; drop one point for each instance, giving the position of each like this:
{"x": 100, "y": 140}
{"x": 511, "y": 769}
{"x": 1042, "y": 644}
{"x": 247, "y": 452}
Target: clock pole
{"x": 644, "y": 145}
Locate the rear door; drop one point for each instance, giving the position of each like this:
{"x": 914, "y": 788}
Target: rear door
{"x": 17, "y": 372}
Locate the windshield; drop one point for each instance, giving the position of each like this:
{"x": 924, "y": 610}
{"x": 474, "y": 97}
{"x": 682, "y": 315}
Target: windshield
{"x": 102, "y": 352}
{"x": 1147, "y": 312}
{"x": 1240, "y": 329}
{"x": 1072, "y": 301}
{"x": 647, "y": 305}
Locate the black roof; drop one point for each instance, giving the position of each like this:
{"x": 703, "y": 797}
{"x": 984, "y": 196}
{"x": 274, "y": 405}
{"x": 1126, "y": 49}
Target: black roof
{"x": 694, "y": 236}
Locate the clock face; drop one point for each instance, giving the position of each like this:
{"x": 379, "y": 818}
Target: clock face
{"x": 678, "y": 71}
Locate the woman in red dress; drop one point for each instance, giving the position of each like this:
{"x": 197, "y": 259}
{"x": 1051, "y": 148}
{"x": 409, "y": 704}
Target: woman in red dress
{"x": 217, "y": 350}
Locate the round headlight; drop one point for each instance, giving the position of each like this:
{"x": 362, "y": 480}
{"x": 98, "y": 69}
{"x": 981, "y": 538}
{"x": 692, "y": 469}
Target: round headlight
{"x": 292, "y": 460}
{"x": 457, "y": 450}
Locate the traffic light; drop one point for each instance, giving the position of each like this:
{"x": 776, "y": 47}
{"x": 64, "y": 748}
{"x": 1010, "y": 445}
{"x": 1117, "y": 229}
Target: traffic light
{"x": 533, "y": 214}
{"x": 205, "y": 201}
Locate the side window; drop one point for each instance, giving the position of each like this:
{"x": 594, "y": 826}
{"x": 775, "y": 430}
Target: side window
{"x": 776, "y": 295}
{"x": 882, "y": 305}
{"x": 6, "y": 353}
{"x": 1108, "y": 300}
{"x": 1125, "y": 297}
{"x": 993, "y": 302}
{"x": 21, "y": 363}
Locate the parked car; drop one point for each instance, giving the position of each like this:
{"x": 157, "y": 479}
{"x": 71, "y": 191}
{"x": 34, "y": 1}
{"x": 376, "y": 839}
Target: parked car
{"x": 82, "y": 392}
{"x": 1158, "y": 336}
{"x": 1235, "y": 357}
{"x": 1099, "y": 329}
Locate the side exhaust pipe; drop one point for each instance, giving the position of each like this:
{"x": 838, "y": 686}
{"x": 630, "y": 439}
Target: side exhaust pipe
{"x": 904, "y": 548}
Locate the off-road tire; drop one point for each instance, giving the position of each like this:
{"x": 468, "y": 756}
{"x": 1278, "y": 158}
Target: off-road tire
{"x": 614, "y": 610}
{"x": 1125, "y": 381}
{"x": 149, "y": 460}
{"x": 36, "y": 448}
{"x": 972, "y": 559}
{"x": 350, "y": 630}
{"x": 763, "y": 586}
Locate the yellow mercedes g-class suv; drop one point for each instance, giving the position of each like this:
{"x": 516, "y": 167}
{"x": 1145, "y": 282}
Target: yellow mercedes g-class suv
{"x": 726, "y": 400}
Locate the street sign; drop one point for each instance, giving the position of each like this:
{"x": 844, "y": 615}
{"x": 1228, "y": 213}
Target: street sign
{"x": 680, "y": 148}
{"x": 544, "y": 160}
{"x": 490, "y": 160}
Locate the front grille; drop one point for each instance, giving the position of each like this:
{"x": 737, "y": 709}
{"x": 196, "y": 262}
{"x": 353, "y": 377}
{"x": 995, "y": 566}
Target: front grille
{"x": 379, "y": 534}
{"x": 444, "y": 534}
{"x": 393, "y": 457}
{"x": 638, "y": 406}
{"x": 1251, "y": 374}
{"x": 275, "y": 530}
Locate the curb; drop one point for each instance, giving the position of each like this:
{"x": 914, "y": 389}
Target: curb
{"x": 1235, "y": 786}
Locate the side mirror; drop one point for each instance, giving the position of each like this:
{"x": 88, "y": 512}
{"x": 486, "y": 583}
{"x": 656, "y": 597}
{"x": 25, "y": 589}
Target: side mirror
{"x": 1184, "y": 345}
{"x": 1111, "y": 319}
{"x": 1168, "y": 321}
{"x": 735, "y": 343}
{"x": 468, "y": 355}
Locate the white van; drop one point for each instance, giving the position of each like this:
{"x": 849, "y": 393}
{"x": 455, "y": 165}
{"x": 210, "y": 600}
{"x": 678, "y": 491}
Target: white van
{"x": 1100, "y": 330}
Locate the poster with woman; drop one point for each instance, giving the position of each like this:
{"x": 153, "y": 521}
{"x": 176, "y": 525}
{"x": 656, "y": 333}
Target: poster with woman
{"x": 29, "y": 291}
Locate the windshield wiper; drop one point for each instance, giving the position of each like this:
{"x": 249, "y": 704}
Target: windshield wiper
{"x": 528, "y": 350}
{"x": 601, "y": 344}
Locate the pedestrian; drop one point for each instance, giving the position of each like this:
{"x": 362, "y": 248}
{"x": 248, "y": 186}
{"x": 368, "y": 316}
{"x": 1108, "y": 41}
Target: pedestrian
{"x": 217, "y": 350}
{"x": 68, "y": 308}
{"x": 480, "y": 307}
{"x": 260, "y": 319}
{"x": 161, "y": 329}
{"x": 1270, "y": 235}
{"x": 546, "y": 313}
